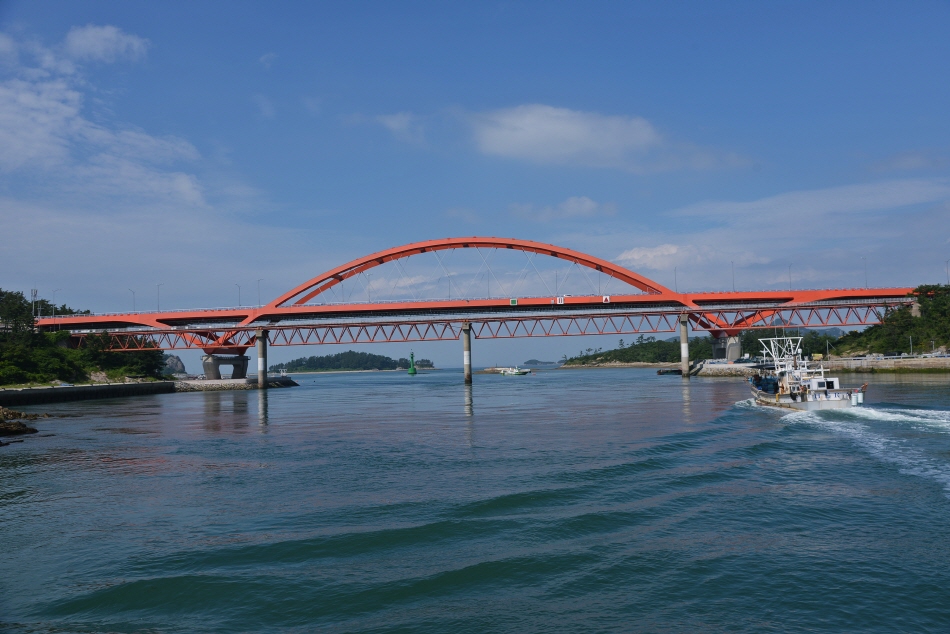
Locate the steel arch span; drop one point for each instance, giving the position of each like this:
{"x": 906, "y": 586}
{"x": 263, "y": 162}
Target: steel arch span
{"x": 313, "y": 287}
{"x": 290, "y": 320}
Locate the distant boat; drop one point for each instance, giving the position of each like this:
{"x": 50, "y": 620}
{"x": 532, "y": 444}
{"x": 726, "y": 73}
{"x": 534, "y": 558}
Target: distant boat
{"x": 515, "y": 371}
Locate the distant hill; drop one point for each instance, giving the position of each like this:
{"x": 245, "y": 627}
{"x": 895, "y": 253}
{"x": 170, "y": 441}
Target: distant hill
{"x": 349, "y": 360}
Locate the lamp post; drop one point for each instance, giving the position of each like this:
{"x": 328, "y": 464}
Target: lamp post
{"x": 789, "y": 277}
{"x": 239, "y": 293}
{"x": 54, "y": 304}
{"x": 676, "y": 286}
{"x": 733, "y": 276}
{"x": 133, "y": 299}
{"x": 911, "y": 345}
{"x": 369, "y": 287}
{"x": 865, "y": 271}
{"x": 947, "y": 263}
{"x": 259, "y": 304}
{"x": 158, "y": 296}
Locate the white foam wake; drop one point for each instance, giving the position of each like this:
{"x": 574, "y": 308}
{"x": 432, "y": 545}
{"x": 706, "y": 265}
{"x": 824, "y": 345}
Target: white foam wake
{"x": 909, "y": 460}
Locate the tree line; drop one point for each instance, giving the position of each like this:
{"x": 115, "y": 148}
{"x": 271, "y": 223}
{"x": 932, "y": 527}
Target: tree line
{"x": 349, "y": 360}
{"x": 28, "y": 356}
{"x": 898, "y": 330}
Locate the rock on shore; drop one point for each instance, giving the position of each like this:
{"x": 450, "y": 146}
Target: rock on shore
{"x": 9, "y": 426}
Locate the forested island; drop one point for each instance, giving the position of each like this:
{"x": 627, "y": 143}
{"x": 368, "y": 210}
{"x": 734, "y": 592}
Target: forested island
{"x": 347, "y": 361}
{"x": 31, "y": 357}
{"x": 898, "y": 331}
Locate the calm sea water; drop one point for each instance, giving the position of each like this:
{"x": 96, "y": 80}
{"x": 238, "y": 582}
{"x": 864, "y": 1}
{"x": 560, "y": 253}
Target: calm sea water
{"x": 602, "y": 500}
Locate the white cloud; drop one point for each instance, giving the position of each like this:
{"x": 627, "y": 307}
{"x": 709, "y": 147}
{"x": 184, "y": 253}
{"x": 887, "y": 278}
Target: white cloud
{"x": 659, "y": 257}
{"x": 911, "y": 160}
{"x": 572, "y": 208}
{"x": 267, "y": 60}
{"x": 46, "y": 138}
{"x": 103, "y": 44}
{"x": 545, "y": 134}
{"x": 824, "y": 203}
{"x": 405, "y": 126}
{"x": 265, "y": 106}
{"x": 826, "y": 235}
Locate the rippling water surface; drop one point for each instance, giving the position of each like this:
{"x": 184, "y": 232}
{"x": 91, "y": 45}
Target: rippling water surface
{"x": 602, "y": 500}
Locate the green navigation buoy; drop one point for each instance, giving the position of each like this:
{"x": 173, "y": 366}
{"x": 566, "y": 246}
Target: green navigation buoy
{"x": 412, "y": 364}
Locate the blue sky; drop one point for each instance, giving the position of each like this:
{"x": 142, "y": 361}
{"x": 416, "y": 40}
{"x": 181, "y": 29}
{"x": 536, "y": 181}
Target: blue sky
{"x": 203, "y": 145}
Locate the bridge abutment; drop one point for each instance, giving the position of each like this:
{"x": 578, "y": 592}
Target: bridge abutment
{"x": 728, "y": 348}
{"x": 211, "y": 364}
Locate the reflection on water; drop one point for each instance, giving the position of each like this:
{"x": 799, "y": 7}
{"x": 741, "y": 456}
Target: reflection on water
{"x": 687, "y": 410}
{"x": 469, "y": 410}
{"x": 368, "y": 502}
{"x": 262, "y": 409}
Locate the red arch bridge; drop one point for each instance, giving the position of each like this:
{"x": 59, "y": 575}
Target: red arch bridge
{"x": 350, "y": 304}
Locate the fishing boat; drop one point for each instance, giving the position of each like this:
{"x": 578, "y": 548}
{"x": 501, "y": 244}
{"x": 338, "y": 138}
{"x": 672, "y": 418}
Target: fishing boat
{"x": 790, "y": 383}
{"x": 515, "y": 371}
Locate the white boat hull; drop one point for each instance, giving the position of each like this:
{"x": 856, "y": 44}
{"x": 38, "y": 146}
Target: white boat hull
{"x": 821, "y": 402}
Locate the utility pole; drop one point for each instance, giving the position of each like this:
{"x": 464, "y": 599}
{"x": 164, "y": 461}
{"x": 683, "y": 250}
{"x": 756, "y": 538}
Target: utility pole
{"x": 33, "y": 293}
{"x": 133, "y": 299}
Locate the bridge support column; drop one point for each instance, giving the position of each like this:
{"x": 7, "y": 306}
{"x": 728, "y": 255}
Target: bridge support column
{"x": 467, "y": 351}
{"x": 726, "y": 347}
{"x": 262, "y": 359}
{"x": 684, "y": 345}
{"x": 211, "y": 364}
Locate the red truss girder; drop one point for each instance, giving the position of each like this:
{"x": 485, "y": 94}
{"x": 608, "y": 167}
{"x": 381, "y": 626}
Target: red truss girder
{"x": 239, "y": 339}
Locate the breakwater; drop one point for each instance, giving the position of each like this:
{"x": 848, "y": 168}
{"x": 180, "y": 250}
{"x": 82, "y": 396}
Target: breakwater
{"x": 63, "y": 393}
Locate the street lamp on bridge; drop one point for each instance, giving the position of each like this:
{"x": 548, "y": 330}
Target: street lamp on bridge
{"x": 158, "y": 296}
{"x": 133, "y": 299}
{"x": 239, "y": 294}
{"x": 865, "y": 271}
{"x": 259, "y": 304}
{"x": 54, "y": 303}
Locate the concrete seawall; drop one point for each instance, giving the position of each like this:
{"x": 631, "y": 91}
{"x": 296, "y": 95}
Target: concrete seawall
{"x": 40, "y": 395}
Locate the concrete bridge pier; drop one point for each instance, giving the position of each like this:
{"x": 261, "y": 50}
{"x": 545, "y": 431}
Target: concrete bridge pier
{"x": 726, "y": 347}
{"x": 684, "y": 345}
{"x": 211, "y": 364}
{"x": 262, "y": 359}
{"x": 467, "y": 351}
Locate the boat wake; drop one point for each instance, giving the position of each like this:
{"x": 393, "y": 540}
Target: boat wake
{"x": 856, "y": 424}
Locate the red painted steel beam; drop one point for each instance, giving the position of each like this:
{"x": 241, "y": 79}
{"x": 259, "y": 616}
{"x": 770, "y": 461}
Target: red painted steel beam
{"x": 691, "y": 302}
{"x": 238, "y": 339}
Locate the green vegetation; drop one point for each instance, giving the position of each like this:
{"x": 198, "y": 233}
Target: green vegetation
{"x": 347, "y": 361}
{"x": 644, "y": 350}
{"x": 893, "y": 335}
{"x": 27, "y": 356}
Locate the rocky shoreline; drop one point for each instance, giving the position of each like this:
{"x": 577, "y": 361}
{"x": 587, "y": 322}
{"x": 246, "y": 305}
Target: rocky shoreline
{"x": 11, "y": 423}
